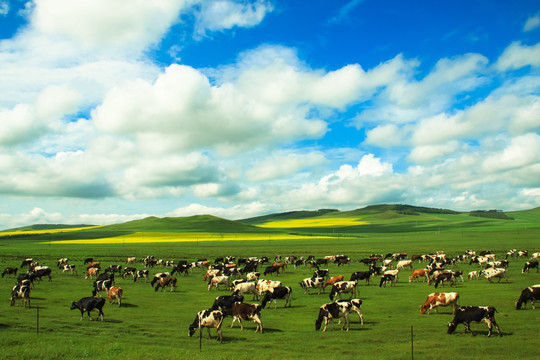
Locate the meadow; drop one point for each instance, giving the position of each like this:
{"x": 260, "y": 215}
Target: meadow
{"x": 154, "y": 324}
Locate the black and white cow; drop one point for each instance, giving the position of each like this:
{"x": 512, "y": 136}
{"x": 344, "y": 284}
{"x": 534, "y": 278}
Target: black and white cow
{"x": 20, "y": 291}
{"x": 41, "y": 272}
{"x": 141, "y": 274}
{"x": 528, "y": 265}
{"x": 312, "y": 283}
{"x": 343, "y": 287}
{"x": 331, "y": 311}
{"x": 278, "y": 293}
{"x": 528, "y": 294}
{"x": 387, "y": 278}
{"x": 129, "y": 271}
{"x": 69, "y": 267}
{"x": 468, "y": 314}
{"x": 88, "y": 304}
{"x": 356, "y": 306}
{"x": 101, "y": 285}
{"x": 207, "y": 319}
{"x": 225, "y": 302}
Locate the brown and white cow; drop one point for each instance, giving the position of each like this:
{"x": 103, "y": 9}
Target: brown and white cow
{"x": 333, "y": 280}
{"x": 93, "y": 271}
{"x": 166, "y": 281}
{"x": 115, "y": 292}
{"x": 423, "y": 273}
{"x": 219, "y": 280}
{"x": 243, "y": 311}
{"x": 130, "y": 260}
{"x": 267, "y": 285}
{"x": 404, "y": 263}
{"x": 440, "y": 299}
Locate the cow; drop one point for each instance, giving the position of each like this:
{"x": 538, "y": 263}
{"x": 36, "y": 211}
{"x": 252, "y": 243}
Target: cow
{"x": 115, "y": 292}
{"x": 445, "y": 277}
{"x": 356, "y": 306}
{"x": 210, "y": 273}
{"x": 166, "y": 281}
{"x": 343, "y": 287}
{"x": 312, "y": 283}
{"x": 333, "y": 280}
{"x": 528, "y": 265}
{"x": 61, "y": 262}
{"x": 267, "y": 285}
{"x": 207, "y": 319}
{"x": 362, "y": 275}
{"x": 88, "y": 304}
{"x": 423, "y": 273}
{"x": 224, "y": 303}
{"x": 114, "y": 269}
{"x": 497, "y": 264}
{"x": 392, "y": 272}
{"x": 387, "y": 278}
{"x": 181, "y": 268}
{"x": 243, "y": 311}
{"x": 88, "y": 260}
{"x": 280, "y": 292}
{"x": 130, "y": 260}
{"x": 27, "y": 262}
{"x": 473, "y": 275}
{"x": 494, "y": 273}
{"x": 69, "y": 267}
{"x": 93, "y": 264}
{"x": 253, "y": 276}
{"x": 328, "y": 312}
{"x": 247, "y": 288}
{"x": 129, "y": 271}
{"x": 101, "y": 285}
{"x": 159, "y": 276}
{"x": 467, "y": 314}
{"x": 434, "y": 300}
{"x": 528, "y": 294}
{"x": 10, "y": 271}
{"x": 404, "y": 263}
{"x": 141, "y": 274}
{"x": 44, "y": 271}
{"x": 272, "y": 269}
{"x": 91, "y": 272}
{"x": 20, "y": 291}
{"x": 219, "y": 280}
{"x": 535, "y": 255}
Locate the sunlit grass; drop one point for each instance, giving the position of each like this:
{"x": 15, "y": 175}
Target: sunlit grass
{"x": 46, "y": 231}
{"x": 145, "y": 237}
{"x": 315, "y": 223}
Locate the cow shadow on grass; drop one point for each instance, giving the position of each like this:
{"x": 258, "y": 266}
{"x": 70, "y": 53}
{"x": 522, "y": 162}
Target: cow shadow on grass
{"x": 484, "y": 333}
{"x": 128, "y": 305}
{"x": 4, "y": 326}
{"x": 112, "y": 321}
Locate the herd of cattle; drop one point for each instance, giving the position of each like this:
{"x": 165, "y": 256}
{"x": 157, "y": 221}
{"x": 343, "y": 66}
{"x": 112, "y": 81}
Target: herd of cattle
{"x": 243, "y": 276}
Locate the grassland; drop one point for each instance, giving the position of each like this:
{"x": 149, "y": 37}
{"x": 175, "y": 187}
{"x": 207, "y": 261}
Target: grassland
{"x": 151, "y": 324}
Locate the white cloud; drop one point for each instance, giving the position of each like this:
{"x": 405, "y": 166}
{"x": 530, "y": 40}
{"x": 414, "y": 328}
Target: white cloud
{"x": 282, "y": 165}
{"x": 521, "y": 152}
{"x": 218, "y": 15}
{"x": 532, "y": 23}
{"x": 426, "y": 153}
{"x": 132, "y": 25}
{"x": 516, "y": 56}
{"x": 4, "y": 8}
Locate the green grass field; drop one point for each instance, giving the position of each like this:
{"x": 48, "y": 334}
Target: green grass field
{"x": 154, "y": 325}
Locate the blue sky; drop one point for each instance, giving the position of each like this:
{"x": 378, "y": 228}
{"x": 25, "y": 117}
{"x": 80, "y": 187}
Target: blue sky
{"x": 113, "y": 111}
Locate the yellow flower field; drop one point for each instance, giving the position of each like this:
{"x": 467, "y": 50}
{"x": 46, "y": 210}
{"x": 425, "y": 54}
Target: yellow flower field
{"x": 45, "y": 231}
{"x": 315, "y": 223}
{"x": 183, "y": 237}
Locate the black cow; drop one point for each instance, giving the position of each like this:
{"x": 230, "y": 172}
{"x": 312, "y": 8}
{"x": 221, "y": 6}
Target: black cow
{"x": 180, "y": 268}
{"x": 280, "y": 292}
{"x": 528, "y": 265}
{"x": 467, "y": 314}
{"x": 38, "y": 274}
{"x": 271, "y": 269}
{"x": 13, "y": 271}
{"x": 88, "y": 304}
{"x": 361, "y": 275}
{"x": 88, "y": 260}
{"x": 225, "y": 302}
{"x": 528, "y": 294}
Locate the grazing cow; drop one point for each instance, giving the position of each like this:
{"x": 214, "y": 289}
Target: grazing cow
{"x": 219, "y": 280}
{"x": 343, "y": 287}
{"x": 88, "y": 304}
{"x": 88, "y": 260}
{"x": 328, "y": 312}
{"x": 392, "y": 272}
{"x": 445, "y": 277}
{"x": 44, "y": 271}
{"x": 115, "y": 292}
{"x": 210, "y": 273}
{"x": 523, "y": 253}
{"x": 467, "y": 314}
{"x": 356, "y": 306}
{"x": 324, "y": 273}
{"x": 419, "y": 273}
{"x": 535, "y": 255}
{"x": 253, "y": 276}
{"x": 69, "y": 267}
{"x": 166, "y": 281}
{"x": 528, "y": 265}
{"x": 27, "y": 262}
{"x": 473, "y": 275}
{"x": 387, "y": 278}
{"x": 312, "y": 283}
{"x": 528, "y": 294}
{"x": 93, "y": 264}
{"x": 243, "y": 311}
{"x": 362, "y": 275}
{"x": 101, "y": 285}
{"x": 225, "y": 302}
{"x": 267, "y": 285}
{"x": 141, "y": 274}
{"x": 91, "y": 272}
{"x": 278, "y": 293}
{"x": 494, "y": 273}
{"x": 13, "y": 271}
{"x": 440, "y": 299}
{"x": 207, "y": 319}
{"x": 497, "y": 264}
{"x": 20, "y": 291}
{"x": 114, "y": 269}
{"x": 130, "y": 260}
{"x": 159, "y": 276}
{"x": 129, "y": 271}
{"x": 404, "y": 263}
{"x": 247, "y": 288}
